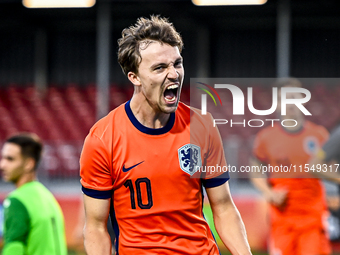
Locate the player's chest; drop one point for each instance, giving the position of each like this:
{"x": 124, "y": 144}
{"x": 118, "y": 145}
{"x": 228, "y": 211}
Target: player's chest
{"x": 292, "y": 149}
{"x": 171, "y": 156}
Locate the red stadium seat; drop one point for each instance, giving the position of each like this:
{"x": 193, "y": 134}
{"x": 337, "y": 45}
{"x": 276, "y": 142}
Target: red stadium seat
{"x": 62, "y": 117}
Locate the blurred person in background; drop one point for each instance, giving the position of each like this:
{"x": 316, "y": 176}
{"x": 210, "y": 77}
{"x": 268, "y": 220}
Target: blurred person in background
{"x": 329, "y": 156}
{"x": 33, "y": 220}
{"x": 297, "y": 199}
{"x": 138, "y": 162}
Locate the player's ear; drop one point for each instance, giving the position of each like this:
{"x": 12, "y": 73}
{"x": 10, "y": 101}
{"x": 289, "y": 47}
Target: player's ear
{"x": 29, "y": 164}
{"x": 134, "y": 78}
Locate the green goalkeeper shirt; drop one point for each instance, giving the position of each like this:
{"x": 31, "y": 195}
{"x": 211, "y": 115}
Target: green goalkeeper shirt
{"x": 33, "y": 222}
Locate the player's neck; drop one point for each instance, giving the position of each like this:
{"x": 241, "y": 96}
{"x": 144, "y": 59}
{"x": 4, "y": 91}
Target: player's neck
{"x": 293, "y": 125}
{"x": 146, "y": 115}
{"x": 25, "y": 178}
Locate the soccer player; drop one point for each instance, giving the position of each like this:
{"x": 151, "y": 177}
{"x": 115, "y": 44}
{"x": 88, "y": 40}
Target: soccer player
{"x": 297, "y": 203}
{"x": 140, "y": 163}
{"x": 34, "y": 223}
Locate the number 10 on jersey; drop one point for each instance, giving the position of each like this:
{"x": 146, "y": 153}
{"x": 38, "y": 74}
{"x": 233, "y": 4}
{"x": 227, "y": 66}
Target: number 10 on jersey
{"x": 138, "y": 182}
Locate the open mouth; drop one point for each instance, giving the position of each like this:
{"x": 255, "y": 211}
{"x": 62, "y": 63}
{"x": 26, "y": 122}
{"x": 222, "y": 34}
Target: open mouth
{"x": 170, "y": 93}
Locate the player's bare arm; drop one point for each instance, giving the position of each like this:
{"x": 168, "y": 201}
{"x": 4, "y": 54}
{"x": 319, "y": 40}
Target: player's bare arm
{"x": 96, "y": 237}
{"x": 227, "y": 220}
{"x": 275, "y": 197}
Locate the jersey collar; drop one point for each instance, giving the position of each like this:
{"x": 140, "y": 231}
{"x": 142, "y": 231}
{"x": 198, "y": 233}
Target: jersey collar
{"x": 147, "y": 130}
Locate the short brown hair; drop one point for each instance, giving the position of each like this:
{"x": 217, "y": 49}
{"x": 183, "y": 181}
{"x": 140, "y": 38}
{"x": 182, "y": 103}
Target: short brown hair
{"x": 154, "y": 29}
{"x": 30, "y": 144}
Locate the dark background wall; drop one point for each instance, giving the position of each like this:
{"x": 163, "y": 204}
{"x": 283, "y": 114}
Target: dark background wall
{"x": 241, "y": 39}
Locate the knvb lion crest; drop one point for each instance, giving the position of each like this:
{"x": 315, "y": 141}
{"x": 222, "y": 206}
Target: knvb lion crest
{"x": 311, "y": 145}
{"x": 189, "y": 156}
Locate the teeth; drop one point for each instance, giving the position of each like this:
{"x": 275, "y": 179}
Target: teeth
{"x": 175, "y": 86}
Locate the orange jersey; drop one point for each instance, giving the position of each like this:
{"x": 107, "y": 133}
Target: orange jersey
{"x": 149, "y": 173}
{"x": 276, "y": 146}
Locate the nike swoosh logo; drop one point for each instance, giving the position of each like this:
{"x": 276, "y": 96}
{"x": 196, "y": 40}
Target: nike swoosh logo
{"x": 128, "y": 169}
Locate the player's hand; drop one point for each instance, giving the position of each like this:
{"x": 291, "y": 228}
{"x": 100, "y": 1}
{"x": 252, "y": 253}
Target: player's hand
{"x": 278, "y": 198}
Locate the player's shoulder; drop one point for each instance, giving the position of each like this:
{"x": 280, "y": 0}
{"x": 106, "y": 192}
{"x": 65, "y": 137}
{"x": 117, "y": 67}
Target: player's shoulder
{"x": 194, "y": 114}
{"x": 183, "y": 109}
{"x": 108, "y": 122}
{"x": 316, "y": 128}
{"x": 29, "y": 189}
{"x": 13, "y": 204}
{"x": 14, "y": 199}
{"x": 190, "y": 116}
{"x": 312, "y": 125}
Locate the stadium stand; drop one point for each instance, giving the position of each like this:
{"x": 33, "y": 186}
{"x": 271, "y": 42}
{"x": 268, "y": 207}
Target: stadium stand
{"x": 63, "y": 115}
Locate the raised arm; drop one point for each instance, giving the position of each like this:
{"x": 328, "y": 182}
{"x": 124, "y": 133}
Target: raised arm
{"x": 96, "y": 237}
{"x": 227, "y": 219}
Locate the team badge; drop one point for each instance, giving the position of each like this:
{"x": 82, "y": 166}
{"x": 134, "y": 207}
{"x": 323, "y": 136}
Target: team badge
{"x": 311, "y": 145}
{"x": 189, "y": 156}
